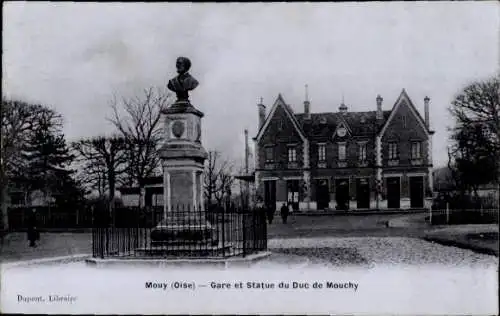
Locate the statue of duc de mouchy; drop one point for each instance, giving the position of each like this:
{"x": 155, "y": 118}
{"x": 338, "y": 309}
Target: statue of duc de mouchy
{"x": 184, "y": 82}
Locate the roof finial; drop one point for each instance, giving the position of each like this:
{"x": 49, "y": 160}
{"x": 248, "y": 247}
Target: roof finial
{"x": 307, "y": 94}
{"x": 343, "y": 107}
{"x": 261, "y": 100}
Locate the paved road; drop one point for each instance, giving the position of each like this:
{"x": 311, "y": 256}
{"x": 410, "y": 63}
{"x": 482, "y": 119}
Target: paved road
{"x": 341, "y": 226}
{"x": 15, "y": 246}
{"x": 375, "y": 251}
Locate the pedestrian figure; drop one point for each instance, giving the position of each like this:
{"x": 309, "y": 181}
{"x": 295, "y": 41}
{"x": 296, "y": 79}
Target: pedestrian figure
{"x": 33, "y": 234}
{"x": 284, "y": 213}
{"x": 270, "y": 213}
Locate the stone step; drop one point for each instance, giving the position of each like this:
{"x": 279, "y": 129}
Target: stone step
{"x": 185, "y": 251}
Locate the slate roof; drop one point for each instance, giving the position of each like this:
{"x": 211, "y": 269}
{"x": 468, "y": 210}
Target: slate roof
{"x": 324, "y": 124}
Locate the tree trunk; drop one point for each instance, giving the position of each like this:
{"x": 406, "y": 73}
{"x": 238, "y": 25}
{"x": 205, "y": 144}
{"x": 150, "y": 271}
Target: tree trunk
{"x": 111, "y": 182}
{"x": 498, "y": 183}
{"x": 140, "y": 197}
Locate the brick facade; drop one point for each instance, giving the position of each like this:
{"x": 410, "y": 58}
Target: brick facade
{"x": 339, "y": 157}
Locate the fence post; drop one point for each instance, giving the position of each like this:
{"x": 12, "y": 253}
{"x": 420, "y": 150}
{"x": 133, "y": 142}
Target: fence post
{"x": 482, "y": 211}
{"x": 49, "y": 215}
{"x": 77, "y": 215}
{"x": 101, "y": 243}
{"x": 263, "y": 231}
{"x": 244, "y": 232}
{"x": 430, "y": 215}
{"x": 223, "y": 228}
{"x": 107, "y": 227}
{"x": 136, "y": 215}
{"x": 254, "y": 231}
{"x": 447, "y": 213}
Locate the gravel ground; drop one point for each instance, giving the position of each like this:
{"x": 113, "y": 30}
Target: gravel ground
{"x": 296, "y": 252}
{"x": 15, "y": 246}
{"x": 374, "y": 251}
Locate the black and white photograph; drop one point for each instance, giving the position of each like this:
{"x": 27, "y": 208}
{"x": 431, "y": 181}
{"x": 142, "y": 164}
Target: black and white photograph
{"x": 250, "y": 158}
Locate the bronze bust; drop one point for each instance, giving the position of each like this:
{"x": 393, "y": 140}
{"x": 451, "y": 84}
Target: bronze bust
{"x": 184, "y": 82}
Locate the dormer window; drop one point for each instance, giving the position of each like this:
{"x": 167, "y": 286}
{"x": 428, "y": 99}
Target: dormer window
{"x": 341, "y": 131}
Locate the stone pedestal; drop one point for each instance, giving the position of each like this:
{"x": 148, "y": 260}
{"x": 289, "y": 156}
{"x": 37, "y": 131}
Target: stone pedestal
{"x": 183, "y": 159}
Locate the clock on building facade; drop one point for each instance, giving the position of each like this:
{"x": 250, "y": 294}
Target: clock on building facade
{"x": 341, "y": 132}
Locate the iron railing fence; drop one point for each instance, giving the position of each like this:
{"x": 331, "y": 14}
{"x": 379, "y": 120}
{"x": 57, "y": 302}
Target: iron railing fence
{"x": 184, "y": 231}
{"x": 463, "y": 216}
{"x": 77, "y": 216}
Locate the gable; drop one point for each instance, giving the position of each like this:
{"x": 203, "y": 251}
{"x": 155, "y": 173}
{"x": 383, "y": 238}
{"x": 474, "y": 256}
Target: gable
{"x": 279, "y": 127}
{"x": 405, "y": 117}
{"x": 280, "y": 120}
{"x": 342, "y": 125}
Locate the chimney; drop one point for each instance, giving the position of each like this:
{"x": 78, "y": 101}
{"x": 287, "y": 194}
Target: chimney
{"x": 246, "y": 151}
{"x": 262, "y": 113}
{"x": 379, "y": 115}
{"x": 426, "y": 111}
{"x": 307, "y": 106}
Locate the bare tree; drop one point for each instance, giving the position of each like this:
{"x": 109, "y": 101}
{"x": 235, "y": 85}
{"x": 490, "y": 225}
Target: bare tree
{"x": 104, "y": 162}
{"x": 138, "y": 120}
{"x": 17, "y": 122}
{"x": 244, "y": 186}
{"x": 476, "y": 135}
{"x": 218, "y": 178}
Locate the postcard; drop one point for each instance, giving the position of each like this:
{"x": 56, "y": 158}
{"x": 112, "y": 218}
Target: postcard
{"x": 250, "y": 158}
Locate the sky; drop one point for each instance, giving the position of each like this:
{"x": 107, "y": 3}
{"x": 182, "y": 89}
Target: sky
{"x": 74, "y": 57}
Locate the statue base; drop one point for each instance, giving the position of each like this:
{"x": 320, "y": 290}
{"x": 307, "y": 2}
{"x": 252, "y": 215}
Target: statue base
{"x": 184, "y": 224}
{"x": 190, "y": 229}
{"x": 189, "y": 235}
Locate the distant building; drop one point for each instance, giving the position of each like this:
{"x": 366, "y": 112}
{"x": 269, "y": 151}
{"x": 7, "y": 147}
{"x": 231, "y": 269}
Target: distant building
{"x": 20, "y": 196}
{"x": 344, "y": 159}
{"x": 151, "y": 195}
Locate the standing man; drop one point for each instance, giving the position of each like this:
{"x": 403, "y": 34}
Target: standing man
{"x": 284, "y": 213}
{"x": 33, "y": 234}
